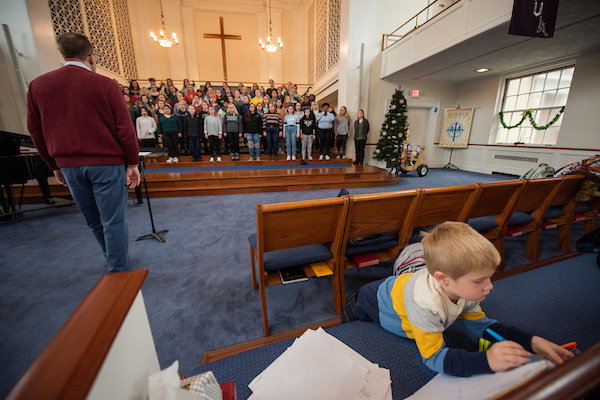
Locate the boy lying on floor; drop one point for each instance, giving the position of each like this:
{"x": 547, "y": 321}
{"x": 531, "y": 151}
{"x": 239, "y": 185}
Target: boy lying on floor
{"x": 421, "y": 305}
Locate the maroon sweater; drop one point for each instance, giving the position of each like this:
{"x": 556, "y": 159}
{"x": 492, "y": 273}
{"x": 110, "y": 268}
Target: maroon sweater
{"x": 77, "y": 117}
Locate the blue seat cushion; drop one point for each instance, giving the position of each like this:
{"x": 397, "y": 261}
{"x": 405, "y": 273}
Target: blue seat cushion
{"x": 416, "y": 236}
{"x": 295, "y": 256}
{"x": 554, "y": 212}
{"x": 583, "y": 207}
{"x": 372, "y": 243}
{"x": 483, "y": 223}
{"x": 520, "y": 218}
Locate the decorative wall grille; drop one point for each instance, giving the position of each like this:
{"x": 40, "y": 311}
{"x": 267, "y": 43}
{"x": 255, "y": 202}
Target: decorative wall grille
{"x": 311, "y": 43}
{"x": 323, "y": 37}
{"x": 106, "y": 23}
{"x": 66, "y": 16}
{"x": 333, "y": 48}
{"x": 125, "y": 38}
{"x": 102, "y": 33}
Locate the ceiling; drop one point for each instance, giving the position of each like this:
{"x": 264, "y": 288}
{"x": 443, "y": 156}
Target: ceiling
{"x": 577, "y": 32}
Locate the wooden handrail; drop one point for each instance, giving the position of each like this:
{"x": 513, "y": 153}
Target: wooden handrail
{"x": 68, "y": 366}
{"x": 574, "y": 379}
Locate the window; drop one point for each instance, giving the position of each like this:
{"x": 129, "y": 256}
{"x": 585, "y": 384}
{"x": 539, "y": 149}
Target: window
{"x": 545, "y": 94}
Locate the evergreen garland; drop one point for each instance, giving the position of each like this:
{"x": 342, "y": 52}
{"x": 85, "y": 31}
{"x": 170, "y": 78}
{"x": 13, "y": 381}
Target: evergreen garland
{"x": 529, "y": 114}
{"x": 394, "y": 130}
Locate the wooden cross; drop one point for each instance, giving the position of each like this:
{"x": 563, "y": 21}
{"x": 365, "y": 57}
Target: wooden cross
{"x": 223, "y": 37}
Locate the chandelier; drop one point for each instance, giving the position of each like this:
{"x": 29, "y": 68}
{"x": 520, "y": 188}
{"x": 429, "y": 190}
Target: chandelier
{"x": 269, "y": 45}
{"x": 163, "y": 40}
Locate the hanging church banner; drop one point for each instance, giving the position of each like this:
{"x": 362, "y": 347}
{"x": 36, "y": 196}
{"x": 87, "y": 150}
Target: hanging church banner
{"x": 456, "y": 127}
{"x": 535, "y": 18}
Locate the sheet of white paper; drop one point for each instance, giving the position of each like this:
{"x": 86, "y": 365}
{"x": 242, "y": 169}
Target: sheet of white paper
{"x": 478, "y": 387}
{"x": 317, "y": 365}
{"x": 144, "y": 153}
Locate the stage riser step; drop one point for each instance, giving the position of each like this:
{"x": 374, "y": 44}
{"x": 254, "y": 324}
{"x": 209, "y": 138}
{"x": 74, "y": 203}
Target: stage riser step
{"x": 282, "y": 188}
{"x": 266, "y": 181}
{"x": 185, "y": 162}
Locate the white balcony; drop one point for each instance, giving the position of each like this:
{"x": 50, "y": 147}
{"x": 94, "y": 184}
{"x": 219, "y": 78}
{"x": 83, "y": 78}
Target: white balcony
{"x": 472, "y": 34}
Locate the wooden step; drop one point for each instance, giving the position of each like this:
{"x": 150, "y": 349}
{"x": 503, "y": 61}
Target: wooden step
{"x": 206, "y": 183}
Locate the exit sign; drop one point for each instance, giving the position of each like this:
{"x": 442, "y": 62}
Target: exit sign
{"x": 415, "y": 93}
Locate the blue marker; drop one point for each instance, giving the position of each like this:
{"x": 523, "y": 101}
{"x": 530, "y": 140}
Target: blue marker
{"x": 501, "y": 339}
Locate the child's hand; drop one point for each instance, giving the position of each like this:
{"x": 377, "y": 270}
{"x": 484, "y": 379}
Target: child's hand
{"x": 550, "y": 351}
{"x": 505, "y": 355}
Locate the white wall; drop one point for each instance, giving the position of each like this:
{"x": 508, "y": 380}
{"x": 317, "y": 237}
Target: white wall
{"x": 130, "y": 361}
{"x": 13, "y": 115}
{"x": 579, "y": 128}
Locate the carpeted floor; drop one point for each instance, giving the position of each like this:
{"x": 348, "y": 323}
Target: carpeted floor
{"x": 198, "y": 293}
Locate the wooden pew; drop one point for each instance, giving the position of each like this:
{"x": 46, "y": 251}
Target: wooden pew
{"x": 437, "y": 205}
{"x": 564, "y": 202}
{"x": 591, "y": 215}
{"x": 293, "y": 225}
{"x": 493, "y": 203}
{"x": 377, "y": 213}
{"x": 104, "y": 350}
{"x": 532, "y": 205}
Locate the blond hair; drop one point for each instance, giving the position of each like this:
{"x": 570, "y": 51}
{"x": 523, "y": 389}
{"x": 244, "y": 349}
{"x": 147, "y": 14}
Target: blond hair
{"x": 456, "y": 249}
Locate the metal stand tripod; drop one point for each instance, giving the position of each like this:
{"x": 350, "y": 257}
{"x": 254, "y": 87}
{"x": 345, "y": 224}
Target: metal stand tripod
{"x": 154, "y": 234}
{"x": 450, "y": 165}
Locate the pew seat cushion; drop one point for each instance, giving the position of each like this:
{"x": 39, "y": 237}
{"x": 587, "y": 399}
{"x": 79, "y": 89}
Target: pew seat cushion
{"x": 295, "y": 256}
{"x": 372, "y": 243}
{"x": 554, "y": 212}
{"x": 519, "y": 218}
{"x": 583, "y": 207}
{"x": 483, "y": 223}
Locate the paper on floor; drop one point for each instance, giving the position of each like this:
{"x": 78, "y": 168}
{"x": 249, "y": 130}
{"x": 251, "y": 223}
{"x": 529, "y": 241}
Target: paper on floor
{"x": 478, "y": 387}
{"x": 319, "y": 366}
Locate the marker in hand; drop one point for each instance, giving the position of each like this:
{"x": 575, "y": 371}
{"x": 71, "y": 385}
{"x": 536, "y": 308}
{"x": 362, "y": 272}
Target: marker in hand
{"x": 500, "y": 339}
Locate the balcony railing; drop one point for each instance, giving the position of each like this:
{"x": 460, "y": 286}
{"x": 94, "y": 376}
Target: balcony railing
{"x": 420, "y": 19}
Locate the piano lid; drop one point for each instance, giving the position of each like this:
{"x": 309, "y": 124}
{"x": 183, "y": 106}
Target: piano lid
{"x": 10, "y": 143}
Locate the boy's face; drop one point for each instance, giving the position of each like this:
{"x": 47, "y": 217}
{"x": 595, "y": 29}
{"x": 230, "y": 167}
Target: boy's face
{"x": 474, "y": 286}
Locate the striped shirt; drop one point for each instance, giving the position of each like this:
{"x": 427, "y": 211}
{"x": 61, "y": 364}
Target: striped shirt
{"x": 272, "y": 119}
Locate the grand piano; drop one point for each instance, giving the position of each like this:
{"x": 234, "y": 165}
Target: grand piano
{"x": 17, "y": 169}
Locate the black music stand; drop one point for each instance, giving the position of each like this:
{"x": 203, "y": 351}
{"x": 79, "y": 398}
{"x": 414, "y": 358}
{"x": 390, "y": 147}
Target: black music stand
{"x": 154, "y": 234}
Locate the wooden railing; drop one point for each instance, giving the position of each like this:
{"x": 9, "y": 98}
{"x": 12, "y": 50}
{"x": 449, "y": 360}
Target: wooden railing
{"x": 68, "y": 366}
{"x": 575, "y": 379}
{"x": 409, "y": 26}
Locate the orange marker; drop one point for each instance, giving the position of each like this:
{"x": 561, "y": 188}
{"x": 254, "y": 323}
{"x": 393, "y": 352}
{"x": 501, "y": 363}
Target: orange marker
{"x": 569, "y": 346}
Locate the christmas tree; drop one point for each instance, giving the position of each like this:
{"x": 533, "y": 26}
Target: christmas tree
{"x": 394, "y": 130}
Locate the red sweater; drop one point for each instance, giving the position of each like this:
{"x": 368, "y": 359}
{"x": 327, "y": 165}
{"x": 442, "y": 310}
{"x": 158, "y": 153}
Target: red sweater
{"x": 77, "y": 117}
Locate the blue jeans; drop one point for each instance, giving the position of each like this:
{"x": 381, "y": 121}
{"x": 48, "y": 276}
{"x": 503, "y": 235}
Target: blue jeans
{"x": 290, "y": 139}
{"x": 254, "y": 144}
{"x": 272, "y": 135}
{"x": 101, "y": 195}
{"x": 195, "y": 147}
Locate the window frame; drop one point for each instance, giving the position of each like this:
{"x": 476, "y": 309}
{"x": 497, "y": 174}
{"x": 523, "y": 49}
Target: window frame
{"x": 497, "y": 128}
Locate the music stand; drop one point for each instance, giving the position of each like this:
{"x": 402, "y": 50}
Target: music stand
{"x": 154, "y": 234}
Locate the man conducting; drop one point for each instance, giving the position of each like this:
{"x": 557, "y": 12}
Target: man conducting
{"x": 82, "y": 129}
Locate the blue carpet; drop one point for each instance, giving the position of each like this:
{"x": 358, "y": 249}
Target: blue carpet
{"x": 243, "y": 168}
{"x": 198, "y": 292}
{"x": 562, "y": 315}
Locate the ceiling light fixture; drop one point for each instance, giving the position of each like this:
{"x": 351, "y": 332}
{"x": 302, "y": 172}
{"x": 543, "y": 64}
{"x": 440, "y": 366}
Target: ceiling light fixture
{"x": 269, "y": 45}
{"x": 482, "y": 70}
{"x": 163, "y": 40}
